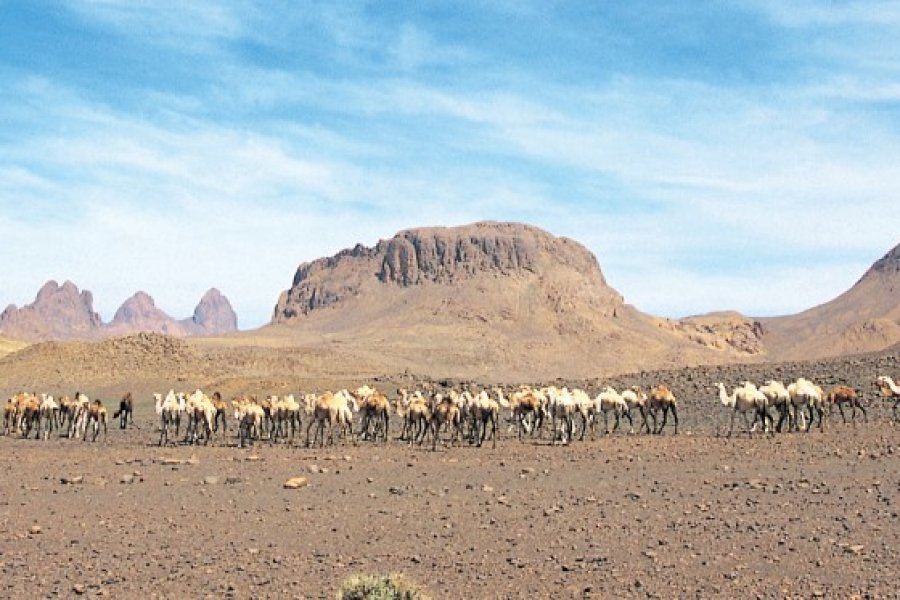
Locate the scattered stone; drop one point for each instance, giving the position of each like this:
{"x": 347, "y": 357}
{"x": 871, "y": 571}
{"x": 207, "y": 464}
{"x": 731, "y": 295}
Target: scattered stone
{"x": 296, "y": 482}
{"x": 79, "y": 588}
{"x": 127, "y": 478}
{"x": 854, "y": 549}
{"x": 233, "y": 480}
{"x": 72, "y": 480}
{"x": 35, "y": 529}
{"x": 210, "y": 480}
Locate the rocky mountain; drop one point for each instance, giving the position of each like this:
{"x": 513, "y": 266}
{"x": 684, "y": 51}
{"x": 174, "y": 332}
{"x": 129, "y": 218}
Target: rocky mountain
{"x": 504, "y": 298}
{"x": 865, "y": 318}
{"x": 65, "y": 313}
{"x": 213, "y": 315}
{"x": 58, "y": 312}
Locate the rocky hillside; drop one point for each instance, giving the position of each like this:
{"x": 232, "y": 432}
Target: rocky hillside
{"x": 62, "y": 312}
{"x": 865, "y": 318}
{"x": 503, "y": 298}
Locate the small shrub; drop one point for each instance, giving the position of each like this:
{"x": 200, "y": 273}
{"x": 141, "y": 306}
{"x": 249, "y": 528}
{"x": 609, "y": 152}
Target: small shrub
{"x": 381, "y": 587}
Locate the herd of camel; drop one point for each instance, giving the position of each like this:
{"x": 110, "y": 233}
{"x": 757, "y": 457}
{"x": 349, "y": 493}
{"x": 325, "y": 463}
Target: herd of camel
{"x": 463, "y": 415}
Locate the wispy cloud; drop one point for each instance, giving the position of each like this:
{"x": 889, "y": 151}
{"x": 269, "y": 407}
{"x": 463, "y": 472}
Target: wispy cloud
{"x": 292, "y": 134}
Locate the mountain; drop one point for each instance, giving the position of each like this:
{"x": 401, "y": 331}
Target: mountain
{"x": 213, "y": 315}
{"x": 501, "y": 298}
{"x": 64, "y": 313}
{"x": 139, "y": 313}
{"x": 865, "y": 318}
{"x": 58, "y": 312}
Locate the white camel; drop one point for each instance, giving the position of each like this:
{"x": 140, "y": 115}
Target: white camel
{"x": 610, "y": 401}
{"x": 636, "y": 397}
{"x": 777, "y": 396}
{"x": 804, "y": 393}
{"x": 743, "y": 400}
{"x": 169, "y": 411}
{"x": 890, "y": 390}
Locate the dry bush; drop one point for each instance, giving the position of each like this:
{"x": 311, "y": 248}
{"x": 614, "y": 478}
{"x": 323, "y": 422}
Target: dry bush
{"x": 381, "y": 587}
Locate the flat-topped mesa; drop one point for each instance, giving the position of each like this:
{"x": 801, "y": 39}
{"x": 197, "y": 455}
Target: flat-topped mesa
{"x": 445, "y": 256}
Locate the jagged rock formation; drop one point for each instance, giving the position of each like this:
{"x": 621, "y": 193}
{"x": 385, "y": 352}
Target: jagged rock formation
{"x": 140, "y": 313}
{"x": 865, "y": 318}
{"x": 213, "y": 315}
{"x": 58, "y": 312}
{"x": 64, "y": 313}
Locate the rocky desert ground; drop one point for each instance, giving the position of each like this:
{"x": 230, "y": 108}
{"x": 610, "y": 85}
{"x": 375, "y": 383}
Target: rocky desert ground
{"x": 697, "y": 515}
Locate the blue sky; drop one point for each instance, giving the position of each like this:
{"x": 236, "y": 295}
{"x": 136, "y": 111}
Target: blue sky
{"x": 712, "y": 155}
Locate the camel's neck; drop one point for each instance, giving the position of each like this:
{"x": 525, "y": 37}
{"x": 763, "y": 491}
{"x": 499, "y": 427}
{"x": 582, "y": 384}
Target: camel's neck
{"x": 724, "y": 397}
{"x": 894, "y": 387}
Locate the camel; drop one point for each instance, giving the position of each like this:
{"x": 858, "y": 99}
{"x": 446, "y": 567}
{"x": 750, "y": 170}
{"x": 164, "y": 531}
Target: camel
{"x": 463, "y": 401}
{"x": 485, "y": 411}
{"x": 48, "y": 415}
{"x": 331, "y": 408}
{"x": 743, "y": 400}
{"x": 169, "y": 412}
{"x": 561, "y": 406}
{"x": 528, "y": 410}
{"x": 67, "y": 409}
{"x": 416, "y": 414}
{"x": 890, "y": 390}
{"x": 126, "y": 411}
{"x": 444, "y": 412}
{"x": 96, "y": 417}
{"x": 201, "y": 414}
{"x": 586, "y": 408}
{"x": 249, "y": 416}
{"x": 777, "y": 396}
{"x": 804, "y": 393}
{"x": 9, "y": 416}
{"x": 221, "y": 408}
{"x": 610, "y": 401}
{"x": 286, "y": 415}
{"x": 18, "y": 405}
{"x": 636, "y": 397}
{"x": 376, "y": 411}
{"x": 841, "y": 395}
{"x": 29, "y": 415}
{"x": 662, "y": 398}
{"x": 80, "y": 410}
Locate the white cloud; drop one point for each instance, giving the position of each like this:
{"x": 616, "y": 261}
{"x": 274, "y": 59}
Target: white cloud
{"x": 701, "y": 188}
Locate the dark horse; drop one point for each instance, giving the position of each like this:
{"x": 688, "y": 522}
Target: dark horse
{"x": 125, "y": 412}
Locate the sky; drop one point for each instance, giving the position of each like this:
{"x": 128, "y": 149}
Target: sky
{"x": 713, "y": 155}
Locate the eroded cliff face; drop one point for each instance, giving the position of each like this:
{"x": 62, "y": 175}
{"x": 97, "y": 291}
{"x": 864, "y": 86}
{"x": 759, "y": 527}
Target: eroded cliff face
{"x": 446, "y": 257}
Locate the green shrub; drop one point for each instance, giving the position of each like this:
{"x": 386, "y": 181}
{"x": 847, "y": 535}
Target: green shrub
{"x": 381, "y": 587}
